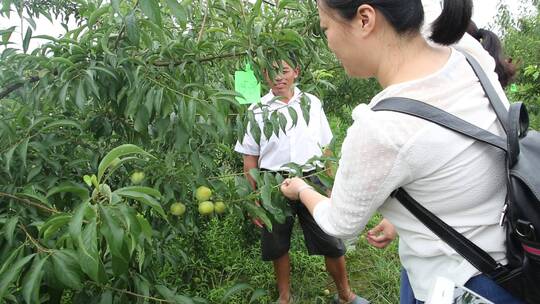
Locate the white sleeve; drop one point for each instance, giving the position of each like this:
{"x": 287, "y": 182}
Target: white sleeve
{"x": 248, "y": 146}
{"x": 369, "y": 170}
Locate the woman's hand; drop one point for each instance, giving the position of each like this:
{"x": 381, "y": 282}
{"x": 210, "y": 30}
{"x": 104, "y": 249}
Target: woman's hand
{"x": 382, "y": 235}
{"x": 291, "y": 186}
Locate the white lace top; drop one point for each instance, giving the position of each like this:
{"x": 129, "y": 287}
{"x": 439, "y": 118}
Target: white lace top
{"x": 458, "y": 179}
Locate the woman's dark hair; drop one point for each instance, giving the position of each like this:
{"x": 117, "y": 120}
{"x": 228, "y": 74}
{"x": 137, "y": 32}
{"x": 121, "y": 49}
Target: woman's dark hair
{"x": 407, "y": 16}
{"x": 491, "y": 43}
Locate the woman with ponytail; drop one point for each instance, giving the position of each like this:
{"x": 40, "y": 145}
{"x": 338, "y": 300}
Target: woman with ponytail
{"x": 504, "y": 68}
{"x": 459, "y": 180}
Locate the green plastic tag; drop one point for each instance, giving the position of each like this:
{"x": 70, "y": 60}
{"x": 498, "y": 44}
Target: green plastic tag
{"x": 246, "y": 84}
{"x": 513, "y": 88}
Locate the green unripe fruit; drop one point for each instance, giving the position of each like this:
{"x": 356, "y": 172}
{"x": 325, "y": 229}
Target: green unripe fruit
{"x": 203, "y": 194}
{"x": 220, "y": 207}
{"x": 326, "y": 292}
{"x": 178, "y": 209}
{"x": 206, "y": 208}
{"x": 137, "y": 177}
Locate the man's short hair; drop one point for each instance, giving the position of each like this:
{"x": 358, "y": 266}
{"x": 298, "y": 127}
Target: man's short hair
{"x": 293, "y": 59}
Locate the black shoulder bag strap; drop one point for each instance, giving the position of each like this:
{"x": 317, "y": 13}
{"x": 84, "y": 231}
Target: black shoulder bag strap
{"x": 494, "y": 98}
{"x": 472, "y": 253}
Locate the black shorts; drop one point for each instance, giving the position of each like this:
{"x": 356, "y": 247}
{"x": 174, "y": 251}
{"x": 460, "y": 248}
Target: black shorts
{"x": 276, "y": 243}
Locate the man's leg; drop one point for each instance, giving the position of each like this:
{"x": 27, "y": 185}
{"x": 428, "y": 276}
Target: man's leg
{"x": 282, "y": 271}
{"x": 336, "y": 268}
{"x": 275, "y": 247}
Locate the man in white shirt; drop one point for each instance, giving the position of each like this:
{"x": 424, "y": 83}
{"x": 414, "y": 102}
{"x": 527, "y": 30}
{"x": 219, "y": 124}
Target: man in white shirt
{"x": 300, "y": 143}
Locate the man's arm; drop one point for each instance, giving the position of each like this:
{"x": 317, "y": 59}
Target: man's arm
{"x": 250, "y": 162}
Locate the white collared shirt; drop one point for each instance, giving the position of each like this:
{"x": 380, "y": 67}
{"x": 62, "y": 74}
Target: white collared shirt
{"x": 298, "y": 144}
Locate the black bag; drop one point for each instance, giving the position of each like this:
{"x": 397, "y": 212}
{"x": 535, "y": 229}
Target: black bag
{"x": 521, "y": 213}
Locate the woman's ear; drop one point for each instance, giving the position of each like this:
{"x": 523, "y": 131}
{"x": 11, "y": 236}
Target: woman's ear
{"x": 366, "y": 17}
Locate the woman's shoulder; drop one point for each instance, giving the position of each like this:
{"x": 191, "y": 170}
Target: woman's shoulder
{"x": 385, "y": 129}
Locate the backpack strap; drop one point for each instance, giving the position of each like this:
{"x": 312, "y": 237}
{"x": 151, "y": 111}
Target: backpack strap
{"x": 475, "y": 255}
{"x": 518, "y": 119}
{"x": 440, "y": 117}
{"x": 494, "y": 98}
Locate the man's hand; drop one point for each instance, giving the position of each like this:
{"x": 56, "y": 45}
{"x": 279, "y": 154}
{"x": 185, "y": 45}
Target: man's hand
{"x": 382, "y": 235}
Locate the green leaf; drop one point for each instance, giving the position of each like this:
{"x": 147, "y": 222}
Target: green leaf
{"x": 23, "y": 151}
{"x": 234, "y": 290}
{"x": 12, "y": 274}
{"x": 32, "y": 281}
{"x": 143, "y": 198}
{"x": 104, "y": 70}
{"x": 255, "y": 132}
{"x": 76, "y": 220}
{"x": 178, "y": 10}
{"x": 69, "y": 187}
{"x": 151, "y": 9}
{"x": 117, "y": 152}
{"x": 9, "y": 261}
{"x": 6, "y": 34}
{"x": 326, "y": 180}
{"x": 96, "y": 14}
{"x": 9, "y": 229}
{"x": 8, "y": 156}
{"x": 141, "y": 120}
{"x": 66, "y": 268}
{"x": 282, "y": 122}
{"x": 61, "y": 60}
{"x": 257, "y": 294}
{"x": 26, "y": 40}
{"x": 266, "y": 195}
{"x": 114, "y": 234}
{"x": 305, "y": 105}
{"x": 61, "y": 123}
{"x": 53, "y": 225}
{"x": 294, "y": 115}
{"x": 88, "y": 180}
{"x": 141, "y": 189}
{"x": 171, "y": 296}
{"x": 132, "y": 226}
{"x": 268, "y": 130}
{"x": 89, "y": 254}
{"x": 132, "y": 29}
{"x": 80, "y": 96}
{"x": 257, "y": 8}
{"x": 258, "y": 212}
{"x": 145, "y": 226}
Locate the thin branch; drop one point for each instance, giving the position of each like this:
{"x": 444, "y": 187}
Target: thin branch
{"x": 203, "y": 22}
{"x": 133, "y": 293}
{"x": 29, "y": 202}
{"x": 207, "y": 59}
{"x": 34, "y": 241}
{"x": 17, "y": 85}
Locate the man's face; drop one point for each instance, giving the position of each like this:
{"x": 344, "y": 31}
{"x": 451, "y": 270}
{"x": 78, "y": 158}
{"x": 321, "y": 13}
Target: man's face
{"x": 284, "y": 81}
